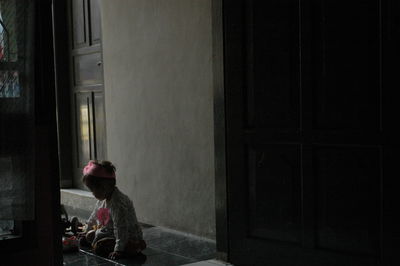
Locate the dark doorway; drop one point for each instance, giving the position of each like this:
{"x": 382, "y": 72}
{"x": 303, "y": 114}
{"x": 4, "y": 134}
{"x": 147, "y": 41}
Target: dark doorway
{"x": 308, "y": 145}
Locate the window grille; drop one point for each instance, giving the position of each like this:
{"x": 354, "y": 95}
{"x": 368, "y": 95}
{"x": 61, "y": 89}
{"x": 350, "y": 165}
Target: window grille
{"x": 17, "y": 115}
{"x": 11, "y": 41}
{"x": 6, "y": 227}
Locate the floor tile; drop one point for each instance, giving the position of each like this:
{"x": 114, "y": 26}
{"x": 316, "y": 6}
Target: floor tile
{"x": 165, "y": 259}
{"x": 200, "y": 263}
{"x": 151, "y": 251}
{"x": 209, "y": 263}
{"x": 82, "y": 259}
{"x": 181, "y": 244}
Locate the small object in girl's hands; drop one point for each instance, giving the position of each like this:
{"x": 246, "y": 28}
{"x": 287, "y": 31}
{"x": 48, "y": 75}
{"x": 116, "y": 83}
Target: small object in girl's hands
{"x": 115, "y": 255}
{"x": 70, "y": 244}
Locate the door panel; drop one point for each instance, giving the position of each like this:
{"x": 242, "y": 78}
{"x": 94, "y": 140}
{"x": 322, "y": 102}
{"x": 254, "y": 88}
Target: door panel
{"x": 84, "y": 135}
{"x": 348, "y": 198}
{"x": 305, "y": 152}
{"x": 281, "y": 164}
{"x": 79, "y": 23}
{"x": 88, "y": 69}
{"x": 99, "y": 125}
{"x": 273, "y": 89}
{"x": 346, "y": 65}
{"x": 95, "y": 26}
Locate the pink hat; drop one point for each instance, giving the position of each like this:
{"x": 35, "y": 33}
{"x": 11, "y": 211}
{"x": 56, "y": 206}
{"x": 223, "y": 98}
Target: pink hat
{"x": 97, "y": 170}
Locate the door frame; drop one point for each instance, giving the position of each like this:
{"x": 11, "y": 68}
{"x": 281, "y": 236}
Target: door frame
{"x": 221, "y": 178}
{"x": 62, "y": 81}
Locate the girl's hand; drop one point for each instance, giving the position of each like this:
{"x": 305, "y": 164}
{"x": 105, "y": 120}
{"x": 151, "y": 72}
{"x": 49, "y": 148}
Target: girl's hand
{"x": 81, "y": 234}
{"x": 115, "y": 255}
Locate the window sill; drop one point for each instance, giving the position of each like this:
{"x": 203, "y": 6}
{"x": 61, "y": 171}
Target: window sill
{"x": 77, "y": 192}
{"x": 23, "y": 240}
{"x": 9, "y": 237}
{"x": 78, "y": 202}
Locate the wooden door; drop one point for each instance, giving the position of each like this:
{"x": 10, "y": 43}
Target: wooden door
{"x": 308, "y": 146}
{"x": 87, "y": 91}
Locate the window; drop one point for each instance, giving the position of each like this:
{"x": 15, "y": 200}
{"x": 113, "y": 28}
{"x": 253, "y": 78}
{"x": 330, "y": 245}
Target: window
{"x": 11, "y": 39}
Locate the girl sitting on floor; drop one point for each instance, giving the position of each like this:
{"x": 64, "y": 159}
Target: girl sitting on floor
{"x": 112, "y": 229}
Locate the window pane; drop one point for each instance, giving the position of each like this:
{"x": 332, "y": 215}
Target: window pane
{"x": 9, "y": 14}
{"x": 12, "y": 40}
{"x": 6, "y": 227}
{"x": 9, "y": 84}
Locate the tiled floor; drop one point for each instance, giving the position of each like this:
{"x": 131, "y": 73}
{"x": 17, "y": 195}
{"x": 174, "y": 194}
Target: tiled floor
{"x": 165, "y": 248}
{"x": 209, "y": 263}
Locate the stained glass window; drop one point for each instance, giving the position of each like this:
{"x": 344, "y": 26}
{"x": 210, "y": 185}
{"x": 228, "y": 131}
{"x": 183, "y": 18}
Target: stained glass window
{"x": 11, "y": 40}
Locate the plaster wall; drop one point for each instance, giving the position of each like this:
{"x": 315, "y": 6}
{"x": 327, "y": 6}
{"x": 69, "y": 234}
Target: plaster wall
{"x": 157, "y": 58}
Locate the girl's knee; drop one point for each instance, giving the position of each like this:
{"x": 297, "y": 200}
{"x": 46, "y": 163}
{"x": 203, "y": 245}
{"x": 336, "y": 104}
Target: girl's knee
{"x": 104, "y": 246}
{"x": 135, "y": 246}
{"x": 90, "y": 236}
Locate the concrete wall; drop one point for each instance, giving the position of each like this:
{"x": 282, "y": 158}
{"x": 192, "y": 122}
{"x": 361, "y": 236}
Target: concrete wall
{"x": 157, "y": 58}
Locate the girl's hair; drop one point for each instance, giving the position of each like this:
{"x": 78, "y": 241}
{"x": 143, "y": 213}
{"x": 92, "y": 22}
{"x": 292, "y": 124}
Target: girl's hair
{"x": 94, "y": 181}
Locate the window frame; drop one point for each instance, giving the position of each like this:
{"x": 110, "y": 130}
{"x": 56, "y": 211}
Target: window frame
{"x": 25, "y": 238}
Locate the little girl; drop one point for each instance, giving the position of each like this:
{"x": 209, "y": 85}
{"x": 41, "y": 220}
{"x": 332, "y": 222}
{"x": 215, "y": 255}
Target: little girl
{"x": 116, "y": 229}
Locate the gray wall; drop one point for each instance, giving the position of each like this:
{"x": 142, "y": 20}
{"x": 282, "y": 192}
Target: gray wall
{"x": 159, "y": 109}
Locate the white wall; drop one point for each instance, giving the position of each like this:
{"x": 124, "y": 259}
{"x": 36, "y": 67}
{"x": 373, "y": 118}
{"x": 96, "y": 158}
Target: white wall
{"x": 159, "y": 109}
